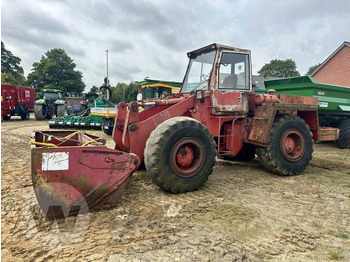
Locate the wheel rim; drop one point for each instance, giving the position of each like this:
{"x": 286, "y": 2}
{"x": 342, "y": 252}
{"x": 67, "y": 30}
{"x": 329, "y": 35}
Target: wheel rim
{"x": 187, "y": 157}
{"x": 292, "y": 145}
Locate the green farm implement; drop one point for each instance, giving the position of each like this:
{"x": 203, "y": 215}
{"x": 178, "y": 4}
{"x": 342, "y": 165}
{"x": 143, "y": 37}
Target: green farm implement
{"x": 333, "y": 102}
{"x": 96, "y": 112}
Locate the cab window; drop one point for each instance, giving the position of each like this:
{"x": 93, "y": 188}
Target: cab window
{"x": 234, "y": 71}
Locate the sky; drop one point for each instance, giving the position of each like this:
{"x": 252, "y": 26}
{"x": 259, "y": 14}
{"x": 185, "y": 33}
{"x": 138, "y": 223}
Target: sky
{"x": 150, "y": 38}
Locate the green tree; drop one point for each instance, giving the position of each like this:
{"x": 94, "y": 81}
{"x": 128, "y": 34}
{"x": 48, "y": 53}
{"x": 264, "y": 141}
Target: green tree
{"x": 279, "y": 68}
{"x": 117, "y": 92}
{"x": 94, "y": 89}
{"x": 11, "y": 71}
{"x": 56, "y": 70}
{"x": 131, "y": 91}
{"x": 313, "y": 69}
{"x": 8, "y": 78}
{"x": 124, "y": 92}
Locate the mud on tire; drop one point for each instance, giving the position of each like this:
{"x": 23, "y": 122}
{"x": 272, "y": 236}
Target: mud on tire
{"x": 289, "y": 149}
{"x": 180, "y": 155}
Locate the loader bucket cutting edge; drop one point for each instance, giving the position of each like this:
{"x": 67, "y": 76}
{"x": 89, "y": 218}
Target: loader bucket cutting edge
{"x": 74, "y": 179}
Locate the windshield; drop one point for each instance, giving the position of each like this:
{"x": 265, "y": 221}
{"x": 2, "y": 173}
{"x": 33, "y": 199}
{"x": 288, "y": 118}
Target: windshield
{"x": 198, "y": 73}
{"x": 52, "y": 96}
{"x": 155, "y": 92}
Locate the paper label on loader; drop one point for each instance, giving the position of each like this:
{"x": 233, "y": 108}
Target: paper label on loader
{"x": 55, "y": 161}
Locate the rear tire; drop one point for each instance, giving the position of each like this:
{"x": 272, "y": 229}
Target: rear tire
{"x": 289, "y": 149}
{"x": 6, "y": 118}
{"x": 180, "y": 155}
{"x": 61, "y": 110}
{"x": 344, "y": 135}
{"x": 39, "y": 112}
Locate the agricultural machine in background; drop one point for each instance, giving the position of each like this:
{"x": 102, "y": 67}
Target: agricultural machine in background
{"x": 178, "y": 138}
{"x": 150, "y": 89}
{"x": 333, "y": 102}
{"x": 51, "y": 104}
{"x": 98, "y": 111}
{"x": 16, "y": 101}
{"x": 95, "y": 112}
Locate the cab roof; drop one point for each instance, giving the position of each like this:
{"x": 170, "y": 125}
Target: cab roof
{"x": 52, "y": 90}
{"x": 215, "y": 46}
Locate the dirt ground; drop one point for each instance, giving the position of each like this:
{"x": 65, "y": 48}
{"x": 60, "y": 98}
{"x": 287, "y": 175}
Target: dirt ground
{"x": 243, "y": 213}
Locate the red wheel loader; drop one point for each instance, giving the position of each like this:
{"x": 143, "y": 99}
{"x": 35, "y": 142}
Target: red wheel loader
{"x": 216, "y": 113}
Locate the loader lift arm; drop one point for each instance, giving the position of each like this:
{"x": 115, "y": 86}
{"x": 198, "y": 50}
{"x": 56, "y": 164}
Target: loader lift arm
{"x": 133, "y": 128}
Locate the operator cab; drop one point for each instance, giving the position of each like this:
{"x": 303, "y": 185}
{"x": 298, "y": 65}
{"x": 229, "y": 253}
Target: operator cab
{"x": 217, "y": 67}
{"x": 224, "y": 74}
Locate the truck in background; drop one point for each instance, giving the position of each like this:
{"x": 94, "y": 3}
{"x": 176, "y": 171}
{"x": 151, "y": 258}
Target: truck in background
{"x": 16, "y": 101}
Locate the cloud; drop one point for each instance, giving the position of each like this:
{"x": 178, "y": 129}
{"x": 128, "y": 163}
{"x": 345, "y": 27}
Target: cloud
{"x": 151, "y": 37}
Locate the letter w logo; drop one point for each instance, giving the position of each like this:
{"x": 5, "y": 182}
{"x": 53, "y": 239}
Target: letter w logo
{"x": 55, "y": 214}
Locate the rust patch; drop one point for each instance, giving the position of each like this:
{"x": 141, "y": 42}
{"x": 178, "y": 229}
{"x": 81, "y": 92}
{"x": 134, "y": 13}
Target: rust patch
{"x": 261, "y": 125}
{"x": 292, "y": 99}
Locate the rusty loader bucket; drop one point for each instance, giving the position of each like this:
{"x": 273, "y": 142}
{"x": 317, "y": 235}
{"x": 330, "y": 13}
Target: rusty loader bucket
{"x": 74, "y": 172}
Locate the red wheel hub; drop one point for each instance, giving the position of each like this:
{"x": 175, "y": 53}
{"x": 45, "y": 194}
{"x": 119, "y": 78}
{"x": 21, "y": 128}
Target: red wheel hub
{"x": 292, "y": 145}
{"x": 187, "y": 157}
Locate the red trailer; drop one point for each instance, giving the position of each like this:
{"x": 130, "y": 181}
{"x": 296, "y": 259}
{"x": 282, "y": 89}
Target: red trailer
{"x": 16, "y": 101}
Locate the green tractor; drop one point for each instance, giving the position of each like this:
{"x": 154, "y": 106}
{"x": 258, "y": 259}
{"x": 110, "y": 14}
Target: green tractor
{"x": 51, "y": 104}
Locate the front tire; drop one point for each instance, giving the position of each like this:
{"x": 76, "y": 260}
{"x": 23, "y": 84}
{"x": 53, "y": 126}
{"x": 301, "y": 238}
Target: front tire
{"x": 289, "y": 149}
{"x": 39, "y": 112}
{"x": 180, "y": 155}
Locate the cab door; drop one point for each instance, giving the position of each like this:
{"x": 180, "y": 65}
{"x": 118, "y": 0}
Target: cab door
{"x": 233, "y": 83}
